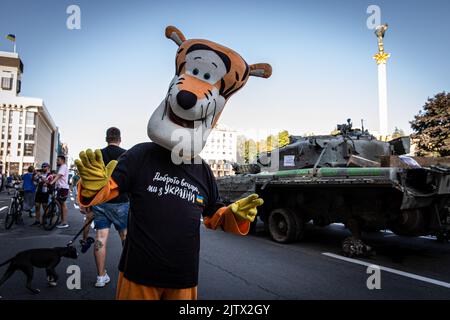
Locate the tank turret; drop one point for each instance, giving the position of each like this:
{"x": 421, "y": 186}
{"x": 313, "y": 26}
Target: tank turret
{"x": 346, "y": 147}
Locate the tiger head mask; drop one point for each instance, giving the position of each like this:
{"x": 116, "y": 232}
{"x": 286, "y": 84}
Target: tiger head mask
{"x": 207, "y": 74}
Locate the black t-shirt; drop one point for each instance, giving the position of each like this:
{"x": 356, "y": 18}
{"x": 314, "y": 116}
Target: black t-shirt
{"x": 112, "y": 152}
{"x": 166, "y": 204}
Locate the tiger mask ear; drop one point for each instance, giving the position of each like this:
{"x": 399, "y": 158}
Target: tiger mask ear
{"x": 176, "y": 35}
{"x": 263, "y": 70}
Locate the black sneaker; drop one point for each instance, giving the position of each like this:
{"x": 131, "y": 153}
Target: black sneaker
{"x": 36, "y": 223}
{"x": 86, "y": 244}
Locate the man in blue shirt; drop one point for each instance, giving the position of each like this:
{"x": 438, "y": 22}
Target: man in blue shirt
{"x": 29, "y": 189}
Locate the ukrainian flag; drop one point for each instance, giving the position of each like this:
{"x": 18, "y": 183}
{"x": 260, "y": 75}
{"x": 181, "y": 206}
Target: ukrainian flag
{"x": 11, "y": 37}
{"x": 200, "y": 199}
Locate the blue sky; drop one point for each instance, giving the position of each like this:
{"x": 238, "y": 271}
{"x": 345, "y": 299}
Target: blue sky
{"x": 116, "y": 69}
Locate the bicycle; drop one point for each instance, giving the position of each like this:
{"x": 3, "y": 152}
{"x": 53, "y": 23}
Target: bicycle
{"x": 14, "y": 214}
{"x": 52, "y": 214}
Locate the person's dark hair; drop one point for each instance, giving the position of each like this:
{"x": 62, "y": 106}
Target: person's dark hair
{"x": 62, "y": 157}
{"x": 30, "y": 169}
{"x": 113, "y": 135}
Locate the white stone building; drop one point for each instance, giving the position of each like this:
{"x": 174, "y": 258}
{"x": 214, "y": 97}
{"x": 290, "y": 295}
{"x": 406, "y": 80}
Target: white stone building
{"x": 220, "y": 150}
{"x": 28, "y": 135}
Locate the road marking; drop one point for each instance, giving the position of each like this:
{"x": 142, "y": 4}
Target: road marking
{"x": 72, "y": 198}
{"x": 75, "y": 206}
{"x": 3, "y": 208}
{"x": 428, "y": 237}
{"x": 398, "y": 272}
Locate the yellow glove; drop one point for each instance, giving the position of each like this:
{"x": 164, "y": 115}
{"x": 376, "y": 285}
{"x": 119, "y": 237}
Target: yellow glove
{"x": 245, "y": 209}
{"x": 93, "y": 173}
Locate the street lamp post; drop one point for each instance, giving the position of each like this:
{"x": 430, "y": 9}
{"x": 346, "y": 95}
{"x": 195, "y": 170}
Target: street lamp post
{"x": 381, "y": 59}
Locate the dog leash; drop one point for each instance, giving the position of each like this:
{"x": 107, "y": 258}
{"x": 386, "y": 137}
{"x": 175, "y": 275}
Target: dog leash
{"x": 81, "y": 231}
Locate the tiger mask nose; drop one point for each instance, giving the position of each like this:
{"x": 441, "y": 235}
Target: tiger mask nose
{"x": 186, "y": 99}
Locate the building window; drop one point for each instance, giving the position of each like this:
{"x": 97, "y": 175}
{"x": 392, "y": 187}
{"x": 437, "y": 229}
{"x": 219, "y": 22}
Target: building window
{"x": 29, "y": 133}
{"x": 19, "y": 86}
{"x": 7, "y": 83}
{"x": 20, "y": 117}
{"x": 9, "y": 132}
{"x": 20, "y": 133}
{"x": 18, "y": 153}
{"x": 10, "y": 116}
{"x": 30, "y": 118}
{"x": 29, "y": 148}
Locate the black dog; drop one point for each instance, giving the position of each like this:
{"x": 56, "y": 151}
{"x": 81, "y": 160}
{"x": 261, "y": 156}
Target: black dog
{"x": 39, "y": 258}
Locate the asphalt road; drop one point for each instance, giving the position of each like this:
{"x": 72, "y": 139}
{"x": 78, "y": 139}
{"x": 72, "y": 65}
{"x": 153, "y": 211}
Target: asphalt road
{"x": 253, "y": 267}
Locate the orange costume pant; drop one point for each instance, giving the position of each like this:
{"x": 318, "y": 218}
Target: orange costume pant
{"x": 128, "y": 290}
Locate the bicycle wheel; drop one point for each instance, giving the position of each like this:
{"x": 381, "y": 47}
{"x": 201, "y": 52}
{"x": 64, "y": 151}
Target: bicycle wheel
{"x": 52, "y": 216}
{"x": 11, "y": 216}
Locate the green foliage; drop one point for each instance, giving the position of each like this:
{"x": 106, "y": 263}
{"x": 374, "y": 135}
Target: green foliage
{"x": 283, "y": 138}
{"x": 249, "y": 150}
{"x": 432, "y": 127}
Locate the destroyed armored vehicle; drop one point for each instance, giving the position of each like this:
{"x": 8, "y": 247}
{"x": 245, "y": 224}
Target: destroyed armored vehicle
{"x": 350, "y": 178}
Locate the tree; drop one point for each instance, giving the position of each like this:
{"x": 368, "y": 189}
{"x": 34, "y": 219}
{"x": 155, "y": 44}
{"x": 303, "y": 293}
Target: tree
{"x": 249, "y": 150}
{"x": 283, "y": 138}
{"x": 271, "y": 143}
{"x": 432, "y": 126}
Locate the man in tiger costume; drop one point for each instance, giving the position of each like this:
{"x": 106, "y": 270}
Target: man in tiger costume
{"x": 170, "y": 187}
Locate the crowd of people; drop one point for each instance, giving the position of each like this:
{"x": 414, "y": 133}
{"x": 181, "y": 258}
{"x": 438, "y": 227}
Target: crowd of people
{"x": 37, "y": 185}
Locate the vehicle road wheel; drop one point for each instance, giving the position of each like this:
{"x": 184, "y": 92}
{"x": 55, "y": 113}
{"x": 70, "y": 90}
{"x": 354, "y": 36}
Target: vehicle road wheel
{"x": 10, "y": 216}
{"x": 52, "y": 216}
{"x": 410, "y": 223}
{"x": 301, "y": 226}
{"x": 283, "y": 225}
